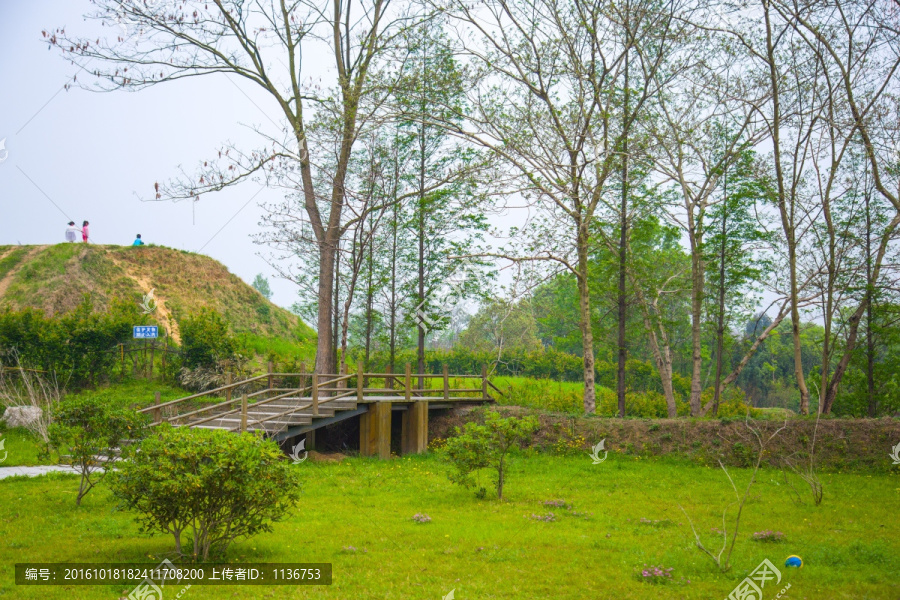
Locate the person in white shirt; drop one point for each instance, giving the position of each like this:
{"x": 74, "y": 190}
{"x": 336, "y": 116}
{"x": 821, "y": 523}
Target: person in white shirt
{"x": 71, "y": 232}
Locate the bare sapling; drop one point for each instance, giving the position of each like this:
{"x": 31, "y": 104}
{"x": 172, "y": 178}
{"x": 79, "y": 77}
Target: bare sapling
{"x": 805, "y": 469}
{"x": 722, "y": 558}
{"x": 21, "y": 388}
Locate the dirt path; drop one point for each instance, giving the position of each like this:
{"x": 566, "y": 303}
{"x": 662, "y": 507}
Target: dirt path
{"x": 146, "y": 287}
{"x": 4, "y": 283}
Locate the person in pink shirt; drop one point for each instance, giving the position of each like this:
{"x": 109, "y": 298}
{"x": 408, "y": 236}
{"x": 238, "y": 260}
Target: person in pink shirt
{"x": 84, "y": 231}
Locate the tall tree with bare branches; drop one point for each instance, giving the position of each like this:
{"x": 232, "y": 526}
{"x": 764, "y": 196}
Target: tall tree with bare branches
{"x": 263, "y": 43}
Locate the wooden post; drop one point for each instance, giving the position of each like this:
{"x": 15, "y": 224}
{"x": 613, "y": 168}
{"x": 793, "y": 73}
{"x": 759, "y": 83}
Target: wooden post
{"x": 271, "y": 370}
{"x": 302, "y": 383}
{"x": 156, "y": 411}
{"x": 228, "y": 390}
{"x": 315, "y": 394}
{"x": 381, "y": 428}
{"x": 243, "y": 413}
{"x": 484, "y": 394}
{"x": 446, "y": 382}
{"x": 417, "y": 428}
{"x": 152, "y": 356}
{"x": 311, "y": 440}
{"x": 359, "y": 381}
{"x": 375, "y": 430}
{"x": 388, "y": 381}
{"x": 408, "y": 382}
{"x": 365, "y": 427}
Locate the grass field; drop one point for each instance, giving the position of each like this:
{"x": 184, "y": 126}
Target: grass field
{"x": 357, "y": 515}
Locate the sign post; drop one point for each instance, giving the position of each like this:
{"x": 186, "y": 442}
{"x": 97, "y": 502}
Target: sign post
{"x": 145, "y": 332}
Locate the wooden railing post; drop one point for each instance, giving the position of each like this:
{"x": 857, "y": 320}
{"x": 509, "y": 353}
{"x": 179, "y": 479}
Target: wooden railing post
{"x": 302, "y": 383}
{"x": 484, "y": 393}
{"x": 271, "y": 379}
{"x": 230, "y": 380}
{"x": 389, "y": 381}
{"x": 446, "y": 382}
{"x": 315, "y": 394}
{"x": 408, "y": 382}
{"x": 243, "y": 413}
{"x": 359, "y": 381}
{"x": 156, "y": 412}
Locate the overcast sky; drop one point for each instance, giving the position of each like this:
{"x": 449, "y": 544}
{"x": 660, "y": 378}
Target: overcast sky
{"x": 81, "y": 155}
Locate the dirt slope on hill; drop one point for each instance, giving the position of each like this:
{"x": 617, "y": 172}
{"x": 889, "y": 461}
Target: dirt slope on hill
{"x": 56, "y": 278}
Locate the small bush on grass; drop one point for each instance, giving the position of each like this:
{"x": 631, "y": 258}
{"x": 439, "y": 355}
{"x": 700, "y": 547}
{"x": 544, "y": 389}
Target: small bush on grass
{"x": 654, "y": 574}
{"x": 486, "y": 446}
{"x": 768, "y": 536}
{"x": 214, "y": 485}
{"x": 92, "y": 431}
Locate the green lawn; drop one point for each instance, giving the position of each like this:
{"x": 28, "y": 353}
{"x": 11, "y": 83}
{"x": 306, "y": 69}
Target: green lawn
{"x": 487, "y": 549}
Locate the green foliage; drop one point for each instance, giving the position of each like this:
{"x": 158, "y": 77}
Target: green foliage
{"x": 501, "y": 324}
{"x": 205, "y": 339}
{"x": 92, "y": 431}
{"x": 486, "y": 446}
{"x": 78, "y": 346}
{"x": 261, "y": 285}
{"x": 214, "y": 485}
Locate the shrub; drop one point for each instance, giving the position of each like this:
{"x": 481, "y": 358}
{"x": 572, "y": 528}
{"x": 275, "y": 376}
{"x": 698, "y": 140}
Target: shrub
{"x": 93, "y": 432}
{"x": 654, "y": 574}
{"x": 215, "y": 485}
{"x": 487, "y": 446}
{"x": 205, "y": 340}
{"x": 76, "y": 345}
{"x": 768, "y": 536}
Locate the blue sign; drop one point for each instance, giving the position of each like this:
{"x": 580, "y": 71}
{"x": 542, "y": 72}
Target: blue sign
{"x": 146, "y": 331}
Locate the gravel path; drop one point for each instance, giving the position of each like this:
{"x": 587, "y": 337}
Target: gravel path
{"x": 34, "y": 471}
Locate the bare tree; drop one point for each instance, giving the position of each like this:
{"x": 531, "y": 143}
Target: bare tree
{"x": 262, "y": 43}
{"x": 855, "y": 44}
{"x": 722, "y": 558}
{"x": 691, "y": 158}
{"x": 547, "y": 88}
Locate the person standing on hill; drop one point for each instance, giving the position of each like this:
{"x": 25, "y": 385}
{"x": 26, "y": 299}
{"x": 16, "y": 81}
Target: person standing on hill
{"x": 138, "y": 241}
{"x": 71, "y": 231}
{"x": 84, "y": 231}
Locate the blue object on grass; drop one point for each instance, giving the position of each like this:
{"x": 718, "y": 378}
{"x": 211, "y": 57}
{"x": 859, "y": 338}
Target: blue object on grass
{"x": 794, "y": 561}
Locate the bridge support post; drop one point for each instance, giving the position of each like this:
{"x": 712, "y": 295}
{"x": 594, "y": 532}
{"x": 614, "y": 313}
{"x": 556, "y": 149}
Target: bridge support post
{"x": 414, "y": 429}
{"x": 375, "y": 430}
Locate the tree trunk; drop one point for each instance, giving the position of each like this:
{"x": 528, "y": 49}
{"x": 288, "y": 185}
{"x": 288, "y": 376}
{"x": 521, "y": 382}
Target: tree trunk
{"x": 720, "y": 326}
{"x": 732, "y": 377}
{"x": 697, "y": 282}
{"x": 871, "y": 403}
{"x": 393, "y": 317}
{"x": 623, "y": 255}
{"x": 587, "y": 334}
{"x": 787, "y": 215}
{"x": 336, "y": 309}
{"x": 369, "y": 291}
{"x": 662, "y": 354}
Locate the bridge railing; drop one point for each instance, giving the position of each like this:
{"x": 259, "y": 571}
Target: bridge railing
{"x": 323, "y": 388}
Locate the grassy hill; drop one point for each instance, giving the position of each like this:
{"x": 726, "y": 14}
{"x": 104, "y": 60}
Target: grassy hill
{"x": 56, "y": 278}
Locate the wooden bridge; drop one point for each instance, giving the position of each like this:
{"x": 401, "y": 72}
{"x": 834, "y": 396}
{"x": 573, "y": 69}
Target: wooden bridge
{"x": 266, "y": 403}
